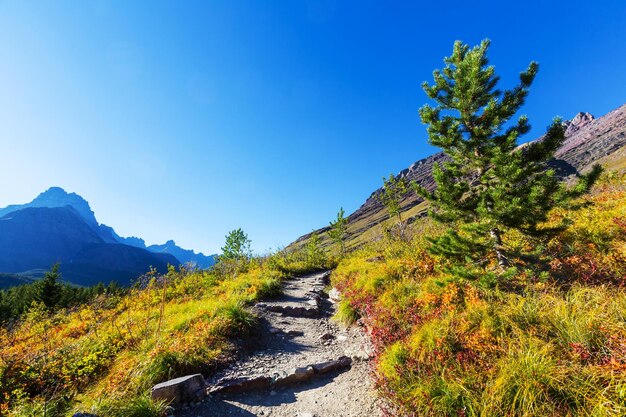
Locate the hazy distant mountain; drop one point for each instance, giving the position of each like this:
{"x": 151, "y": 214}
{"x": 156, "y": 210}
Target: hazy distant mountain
{"x": 36, "y": 237}
{"x": 57, "y": 197}
{"x": 132, "y": 241}
{"x": 587, "y": 140}
{"x": 60, "y": 226}
{"x": 185, "y": 256}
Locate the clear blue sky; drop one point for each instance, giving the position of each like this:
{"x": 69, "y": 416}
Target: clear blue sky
{"x": 183, "y": 120}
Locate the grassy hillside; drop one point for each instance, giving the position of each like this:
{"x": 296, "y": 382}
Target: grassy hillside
{"x": 548, "y": 341}
{"x": 103, "y": 357}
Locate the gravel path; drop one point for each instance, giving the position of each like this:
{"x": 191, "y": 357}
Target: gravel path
{"x": 305, "y": 356}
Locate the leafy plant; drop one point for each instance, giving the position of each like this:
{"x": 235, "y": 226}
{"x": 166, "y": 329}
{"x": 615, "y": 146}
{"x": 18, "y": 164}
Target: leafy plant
{"x": 315, "y": 257}
{"x": 237, "y": 246}
{"x": 338, "y": 229}
{"x": 394, "y": 190}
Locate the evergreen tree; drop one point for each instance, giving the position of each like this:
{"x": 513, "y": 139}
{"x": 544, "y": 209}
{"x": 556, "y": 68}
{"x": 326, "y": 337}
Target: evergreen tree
{"x": 5, "y": 308}
{"x": 489, "y": 185}
{"x": 237, "y": 246}
{"x": 394, "y": 190}
{"x": 49, "y": 290}
{"x": 338, "y": 229}
{"x": 315, "y": 256}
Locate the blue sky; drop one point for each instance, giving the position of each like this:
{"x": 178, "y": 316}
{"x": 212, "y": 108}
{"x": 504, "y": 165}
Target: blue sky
{"x": 184, "y": 120}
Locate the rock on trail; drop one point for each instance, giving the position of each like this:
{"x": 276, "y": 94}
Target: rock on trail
{"x": 301, "y": 364}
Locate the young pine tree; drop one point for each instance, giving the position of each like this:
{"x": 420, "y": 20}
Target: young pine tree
{"x": 394, "y": 190}
{"x": 315, "y": 257}
{"x": 338, "y": 229}
{"x": 49, "y": 290}
{"x": 489, "y": 185}
{"x": 237, "y": 246}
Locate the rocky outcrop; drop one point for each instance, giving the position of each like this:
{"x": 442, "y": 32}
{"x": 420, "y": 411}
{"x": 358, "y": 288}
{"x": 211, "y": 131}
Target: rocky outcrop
{"x": 580, "y": 120}
{"x": 590, "y": 140}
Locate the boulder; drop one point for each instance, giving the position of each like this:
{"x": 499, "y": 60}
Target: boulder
{"x": 184, "y": 389}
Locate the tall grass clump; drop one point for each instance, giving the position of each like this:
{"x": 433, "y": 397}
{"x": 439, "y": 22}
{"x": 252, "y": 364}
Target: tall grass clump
{"x": 141, "y": 406}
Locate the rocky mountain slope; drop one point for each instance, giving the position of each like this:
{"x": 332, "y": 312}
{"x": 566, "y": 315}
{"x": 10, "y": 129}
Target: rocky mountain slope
{"x": 588, "y": 140}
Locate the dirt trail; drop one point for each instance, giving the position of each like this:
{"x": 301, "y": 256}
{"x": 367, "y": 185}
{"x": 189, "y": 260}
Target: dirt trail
{"x": 296, "y": 332}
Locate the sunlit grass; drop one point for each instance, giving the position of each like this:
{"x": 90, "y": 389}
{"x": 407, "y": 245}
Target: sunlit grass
{"x": 550, "y": 341}
{"x": 105, "y": 356}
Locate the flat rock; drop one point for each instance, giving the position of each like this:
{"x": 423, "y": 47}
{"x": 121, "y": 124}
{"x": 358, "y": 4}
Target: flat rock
{"x": 293, "y": 311}
{"x": 180, "y": 390}
{"x": 312, "y": 302}
{"x": 240, "y": 385}
{"x": 330, "y": 366}
{"x": 293, "y": 376}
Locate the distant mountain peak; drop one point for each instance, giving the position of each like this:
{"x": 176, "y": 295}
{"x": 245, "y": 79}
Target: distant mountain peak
{"x": 580, "y": 120}
{"x": 57, "y": 190}
{"x": 59, "y": 193}
{"x": 54, "y": 190}
{"x": 58, "y": 197}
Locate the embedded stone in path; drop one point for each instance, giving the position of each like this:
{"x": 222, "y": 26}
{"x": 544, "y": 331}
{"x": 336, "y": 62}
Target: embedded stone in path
{"x": 236, "y": 386}
{"x": 293, "y": 376}
{"x": 281, "y": 379}
{"x": 330, "y": 366}
{"x": 290, "y": 310}
{"x": 184, "y": 389}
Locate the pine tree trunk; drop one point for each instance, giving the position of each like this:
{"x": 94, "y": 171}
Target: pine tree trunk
{"x": 503, "y": 262}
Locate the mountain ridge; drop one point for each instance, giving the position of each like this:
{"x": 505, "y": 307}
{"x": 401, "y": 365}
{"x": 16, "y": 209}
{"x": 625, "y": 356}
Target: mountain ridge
{"x": 34, "y": 238}
{"x": 55, "y": 197}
